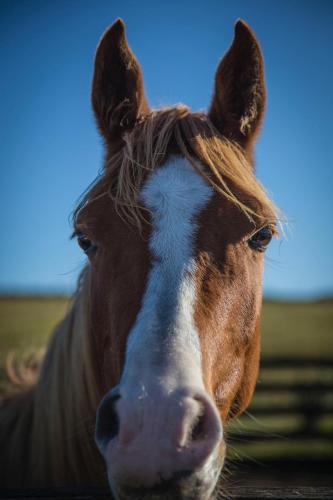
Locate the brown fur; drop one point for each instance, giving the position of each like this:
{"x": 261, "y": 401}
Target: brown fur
{"x": 46, "y": 434}
{"x": 228, "y": 304}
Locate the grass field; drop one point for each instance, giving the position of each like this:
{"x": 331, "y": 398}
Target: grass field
{"x": 288, "y": 329}
{"x": 303, "y": 329}
{"x": 26, "y": 322}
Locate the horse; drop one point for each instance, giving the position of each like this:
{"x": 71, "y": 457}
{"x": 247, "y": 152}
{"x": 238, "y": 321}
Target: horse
{"x": 160, "y": 347}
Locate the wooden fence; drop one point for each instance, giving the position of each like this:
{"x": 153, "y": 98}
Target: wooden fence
{"x": 310, "y": 387}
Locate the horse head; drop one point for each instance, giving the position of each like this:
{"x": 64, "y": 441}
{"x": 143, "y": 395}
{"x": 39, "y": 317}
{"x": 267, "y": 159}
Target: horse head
{"x": 175, "y": 229}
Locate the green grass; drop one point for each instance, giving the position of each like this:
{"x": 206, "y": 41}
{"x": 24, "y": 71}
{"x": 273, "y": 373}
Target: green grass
{"x": 302, "y": 329}
{"x": 27, "y": 322}
{"x": 288, "y": 329}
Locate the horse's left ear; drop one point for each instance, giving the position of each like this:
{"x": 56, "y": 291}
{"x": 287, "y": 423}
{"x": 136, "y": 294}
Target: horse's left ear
{"x": 238, "y": 103}
{"x": 118, "y": 97}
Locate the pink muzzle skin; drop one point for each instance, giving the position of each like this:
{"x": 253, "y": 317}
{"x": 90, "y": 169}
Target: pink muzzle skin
{"x": 158, "y": 437}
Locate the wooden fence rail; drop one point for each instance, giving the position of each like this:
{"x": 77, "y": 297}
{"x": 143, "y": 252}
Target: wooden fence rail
{"x": 308, "y": 383}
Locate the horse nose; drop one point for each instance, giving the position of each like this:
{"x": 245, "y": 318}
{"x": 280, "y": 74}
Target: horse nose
{"x": 158, "y": 438}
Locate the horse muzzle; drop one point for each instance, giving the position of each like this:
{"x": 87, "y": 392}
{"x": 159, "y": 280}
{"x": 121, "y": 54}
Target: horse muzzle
{"x": 161, "y": 445}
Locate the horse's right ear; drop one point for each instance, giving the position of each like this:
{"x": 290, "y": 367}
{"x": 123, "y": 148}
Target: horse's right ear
{"x": 118, "y": 96}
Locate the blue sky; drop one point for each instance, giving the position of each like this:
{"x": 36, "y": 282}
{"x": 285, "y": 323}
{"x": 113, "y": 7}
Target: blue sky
{"x": 50, "y": 150}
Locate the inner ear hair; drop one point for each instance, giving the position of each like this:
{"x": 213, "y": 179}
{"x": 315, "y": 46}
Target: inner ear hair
{"x": 118, "y": 97}
{"x": 238, "y": 103}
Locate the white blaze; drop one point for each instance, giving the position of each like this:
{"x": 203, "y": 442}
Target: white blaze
{"x": 164, "y": 341}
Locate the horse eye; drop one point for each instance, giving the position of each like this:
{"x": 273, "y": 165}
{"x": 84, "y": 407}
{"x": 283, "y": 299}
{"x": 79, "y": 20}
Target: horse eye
{"x": 86, "y": 244}
{"x": 261, "y": 239}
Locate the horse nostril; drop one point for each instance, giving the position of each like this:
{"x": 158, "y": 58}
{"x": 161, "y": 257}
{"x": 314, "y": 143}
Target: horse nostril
{"x": 107, "y": 421}
{"x": 198, "y": 429}
{"x": 206, "y": 425}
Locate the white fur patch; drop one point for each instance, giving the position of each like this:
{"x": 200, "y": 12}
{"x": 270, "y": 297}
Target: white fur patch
{"x": 164, "y": 339}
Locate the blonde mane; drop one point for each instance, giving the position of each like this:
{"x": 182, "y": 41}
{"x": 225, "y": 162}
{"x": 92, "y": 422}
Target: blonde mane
{"x": 194, "y": 136}
{"x": 47, "y": 430}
